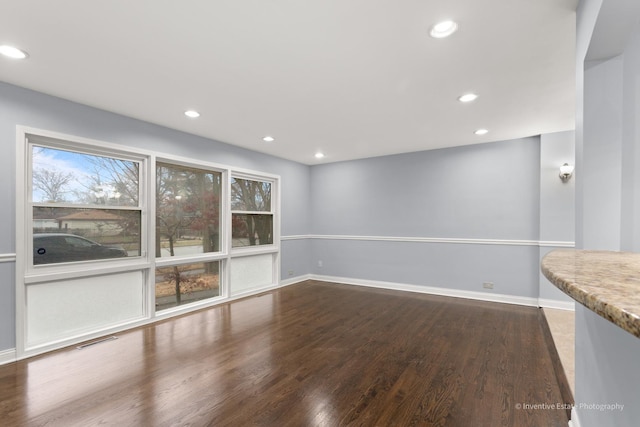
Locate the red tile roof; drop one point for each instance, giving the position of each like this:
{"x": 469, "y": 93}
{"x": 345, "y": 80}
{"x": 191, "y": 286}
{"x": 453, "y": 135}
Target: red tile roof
{"x": 91, "y": 215}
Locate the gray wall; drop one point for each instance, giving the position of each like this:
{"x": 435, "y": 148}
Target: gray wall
{"x": 23, "y": 107}
{"x": 7, "y": 306}
{"x": 606, "y": 371}
{"x": 557, "y": 201}
{"x": 602, "y": 154}
{"x": 607, "y": 207}
{"x": 460, "y": 267}
{"x": 630, "y": 118}
{"x": 483, "y": 191}
{"x": 486, "y": 191}
{"x": 557, "y": 198}
{"x": 490, "y": 191}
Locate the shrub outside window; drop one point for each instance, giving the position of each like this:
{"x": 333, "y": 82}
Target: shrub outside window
{"x": 183, "y": 284}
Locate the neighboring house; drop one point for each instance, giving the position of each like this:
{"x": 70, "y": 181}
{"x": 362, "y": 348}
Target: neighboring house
{"x": 44, "y": 220}
{"x": 92, "y": 221}
{"x": 44, "y": 223}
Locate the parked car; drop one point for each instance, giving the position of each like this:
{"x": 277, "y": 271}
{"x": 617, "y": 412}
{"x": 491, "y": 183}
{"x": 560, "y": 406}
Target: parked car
{"x": 50, "y": 248}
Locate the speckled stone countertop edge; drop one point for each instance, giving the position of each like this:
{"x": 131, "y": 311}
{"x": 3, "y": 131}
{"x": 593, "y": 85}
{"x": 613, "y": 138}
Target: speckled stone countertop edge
{"x": 596, "y": 300}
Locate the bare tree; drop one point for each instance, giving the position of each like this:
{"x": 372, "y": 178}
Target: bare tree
{"x": 253, "y": 196}
{"x": 52, "y": 183}
{"x": 123, "y": 176}
{"x": 110, "y": 181}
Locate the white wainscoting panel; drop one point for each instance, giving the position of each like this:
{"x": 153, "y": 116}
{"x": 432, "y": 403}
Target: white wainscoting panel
{"x": 249, "y": 272}
{"x": 63, "y": 309}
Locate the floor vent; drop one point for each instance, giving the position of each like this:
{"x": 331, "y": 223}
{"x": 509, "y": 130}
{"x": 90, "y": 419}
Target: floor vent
{"x": 89, "y": 344}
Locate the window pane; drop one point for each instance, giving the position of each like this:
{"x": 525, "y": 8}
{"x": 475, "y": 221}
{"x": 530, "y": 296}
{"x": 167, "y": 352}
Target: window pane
{"x": 184, "y": 284}
{"x": 251, "y": 229}
{"x": 248, "y": 195}
{"x": 61, "y": 176}
{"x": 187, "y": 210}
{"x": 75, "y": 234}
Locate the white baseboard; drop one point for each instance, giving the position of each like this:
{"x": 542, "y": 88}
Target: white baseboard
{"x": 294, "y": 280}
{"x": 574, "y": 421}
{"x": 456, "y": 293}
{"x": 558, "y": 305}
{"x": 142, "y": 322}
{"x": 256, "y": 291}
{"x": 8, "y": 356}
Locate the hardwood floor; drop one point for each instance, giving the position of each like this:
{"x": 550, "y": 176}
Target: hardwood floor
{"x": 312, "y": 354}
{"x": 556, "y": 362}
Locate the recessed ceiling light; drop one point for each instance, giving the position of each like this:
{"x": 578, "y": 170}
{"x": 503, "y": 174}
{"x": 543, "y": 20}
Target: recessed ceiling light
{"x": 468, "y": 97}
{"x": 481, "y": 132}
{"x": 12, "y": 52}
{"x": 268, "y": 139}
{"x": 319, "y": 155}
{"x": 192, "y": 113}
{"x": 443, "y": 29}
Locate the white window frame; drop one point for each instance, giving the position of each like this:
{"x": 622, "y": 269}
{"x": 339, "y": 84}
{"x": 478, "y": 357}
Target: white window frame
{"x": 220, "y": 256}
{"x": 274, "y": 208}
{"x": 274, "y": 248}
{"x": 81, "y": 266}
{"x": 28, "y": 274}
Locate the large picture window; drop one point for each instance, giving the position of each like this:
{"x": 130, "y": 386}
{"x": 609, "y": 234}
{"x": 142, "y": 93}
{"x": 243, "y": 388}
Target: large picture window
{"x": 110, "y": 237}
{"x": 188, "y": 209}
{"x": 84, "y": 206}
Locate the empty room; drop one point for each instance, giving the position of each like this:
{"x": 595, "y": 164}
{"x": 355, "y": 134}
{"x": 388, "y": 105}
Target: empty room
{"x": 329, "y": 213}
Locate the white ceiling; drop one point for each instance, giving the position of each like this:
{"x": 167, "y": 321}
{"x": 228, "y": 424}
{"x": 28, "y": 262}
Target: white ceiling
{"x": 353, "y": 78}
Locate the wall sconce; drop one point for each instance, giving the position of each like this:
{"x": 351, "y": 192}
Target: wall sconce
{"x": 566, "y": 171}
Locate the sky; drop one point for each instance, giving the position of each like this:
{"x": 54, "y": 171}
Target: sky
{"x": 84, "y": 168}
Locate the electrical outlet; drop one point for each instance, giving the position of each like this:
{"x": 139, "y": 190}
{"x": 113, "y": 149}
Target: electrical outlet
{"x": 487, "y": 285}
{"x": 290, "y": 273}
{"x": 320, "y": 263}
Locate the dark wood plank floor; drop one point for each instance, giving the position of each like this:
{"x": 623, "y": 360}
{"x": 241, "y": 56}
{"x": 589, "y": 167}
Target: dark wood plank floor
{"x": 312, "y": 354}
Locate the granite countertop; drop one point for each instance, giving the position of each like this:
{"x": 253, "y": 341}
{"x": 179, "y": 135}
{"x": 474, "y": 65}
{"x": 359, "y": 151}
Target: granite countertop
{"x": 608, "y": 283}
